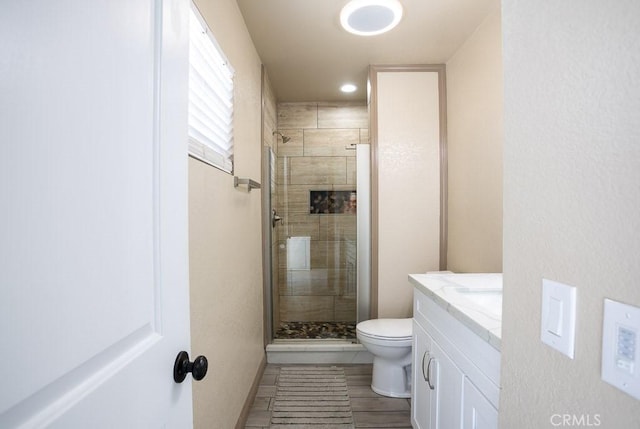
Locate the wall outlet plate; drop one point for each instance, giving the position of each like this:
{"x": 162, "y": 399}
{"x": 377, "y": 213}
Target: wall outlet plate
{"x": 558, "y": 316}
{"x": 621, "y": 347}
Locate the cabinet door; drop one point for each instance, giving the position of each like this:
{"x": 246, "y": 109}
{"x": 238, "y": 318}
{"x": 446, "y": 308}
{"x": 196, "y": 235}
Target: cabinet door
{"x": 478, "y": 412}
{"x": 437, "y": 385}
{"x": 423, "y": 401}
{"x": 447, "y": 380}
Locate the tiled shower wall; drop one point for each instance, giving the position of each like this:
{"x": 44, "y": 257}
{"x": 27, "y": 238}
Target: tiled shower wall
{"x": 320, "y": 156}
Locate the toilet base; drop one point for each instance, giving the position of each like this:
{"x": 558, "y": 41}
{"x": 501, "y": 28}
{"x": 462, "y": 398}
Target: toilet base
{"x": 391, "y": 379}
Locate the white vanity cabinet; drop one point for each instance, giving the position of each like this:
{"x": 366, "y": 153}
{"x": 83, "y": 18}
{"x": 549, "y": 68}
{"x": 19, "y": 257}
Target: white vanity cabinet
{"x": 456, "y": 372}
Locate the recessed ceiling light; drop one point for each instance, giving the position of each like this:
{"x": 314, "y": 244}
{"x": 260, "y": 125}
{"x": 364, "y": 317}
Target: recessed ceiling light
{"x": 348, "y": 87}
{"x": 370, "y": 17}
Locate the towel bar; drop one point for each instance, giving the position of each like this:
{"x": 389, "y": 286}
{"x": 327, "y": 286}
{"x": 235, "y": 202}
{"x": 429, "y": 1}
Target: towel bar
{"x": 251, "y": 184}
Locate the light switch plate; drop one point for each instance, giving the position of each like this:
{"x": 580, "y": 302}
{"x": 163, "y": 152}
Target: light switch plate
{"x": 621, "y": 347}
{"x": 558, "y": 316}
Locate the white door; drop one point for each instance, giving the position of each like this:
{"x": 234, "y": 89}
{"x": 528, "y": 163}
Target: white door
{"x": 93, "y": 219}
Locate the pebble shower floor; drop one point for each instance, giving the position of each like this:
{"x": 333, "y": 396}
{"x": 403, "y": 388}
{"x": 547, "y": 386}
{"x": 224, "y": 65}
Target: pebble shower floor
{"x": 316, "y": 330}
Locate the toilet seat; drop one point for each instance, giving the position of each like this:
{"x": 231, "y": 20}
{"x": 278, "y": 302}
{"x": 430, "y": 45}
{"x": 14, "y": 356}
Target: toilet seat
{"x": 386, "y": 329}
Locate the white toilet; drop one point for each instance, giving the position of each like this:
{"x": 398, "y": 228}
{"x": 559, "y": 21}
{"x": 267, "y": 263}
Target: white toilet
{"x": 389, "y": 340}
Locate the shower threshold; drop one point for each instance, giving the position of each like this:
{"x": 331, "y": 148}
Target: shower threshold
{"x": 317, "y": 352}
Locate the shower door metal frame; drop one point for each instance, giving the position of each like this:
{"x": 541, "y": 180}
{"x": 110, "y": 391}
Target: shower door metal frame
{"x": 267, "y": 239}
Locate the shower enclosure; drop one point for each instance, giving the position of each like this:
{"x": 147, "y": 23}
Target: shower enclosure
{"x": 312, "y": 204}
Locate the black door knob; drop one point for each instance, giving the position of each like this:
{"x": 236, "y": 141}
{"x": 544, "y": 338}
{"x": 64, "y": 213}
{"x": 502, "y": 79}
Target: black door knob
{"x": 197, "y": 368}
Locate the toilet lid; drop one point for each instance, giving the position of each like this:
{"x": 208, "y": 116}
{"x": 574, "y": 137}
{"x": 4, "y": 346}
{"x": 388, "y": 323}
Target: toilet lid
{"x": 387, "y": 328}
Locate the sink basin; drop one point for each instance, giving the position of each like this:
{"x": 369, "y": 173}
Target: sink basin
{"x": 488, "y": 300}
{"x": 482, "y": 293}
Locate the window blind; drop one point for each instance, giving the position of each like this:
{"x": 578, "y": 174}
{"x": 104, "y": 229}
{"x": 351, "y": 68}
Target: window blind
{"x": 210, "y": 97}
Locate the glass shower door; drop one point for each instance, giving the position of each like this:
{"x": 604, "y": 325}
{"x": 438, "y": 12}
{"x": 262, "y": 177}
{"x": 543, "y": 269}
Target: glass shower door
{"x": 317, "y": 289}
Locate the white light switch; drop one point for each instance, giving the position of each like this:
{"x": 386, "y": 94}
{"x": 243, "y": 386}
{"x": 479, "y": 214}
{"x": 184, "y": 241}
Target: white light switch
{"x": 558, "y": 316}
{"x": 621, "y": 347}
{"x": 554, "y": 321}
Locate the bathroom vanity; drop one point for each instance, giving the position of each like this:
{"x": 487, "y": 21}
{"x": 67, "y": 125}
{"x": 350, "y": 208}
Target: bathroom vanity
{"x": 456, "y": 350}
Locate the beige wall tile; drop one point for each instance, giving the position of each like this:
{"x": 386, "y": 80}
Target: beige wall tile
{"x": 364, "y": 135}
{"x": 297, "y": 115}
{"x": 306, "y": 308}
{"x": 293, "y": 199}
{"x": 345, "y": 308}
{"x": 351, "y": 171}
{"x": 324, "y": 254}
{"x": 318, "y": 170}
{"x": 351, "y": 248}
{"x": 282, "y": 172}
{"x": 337, "y": 227}
{"x": 343, "y": 115}
{"x": 284, "y": 288}
{"x": 345, "y": 187}
{"x": 330, "y": 142}
{"x": 321, "y": 282}
{"x": 328, "y": 254}
{"x": 298, "y": 225}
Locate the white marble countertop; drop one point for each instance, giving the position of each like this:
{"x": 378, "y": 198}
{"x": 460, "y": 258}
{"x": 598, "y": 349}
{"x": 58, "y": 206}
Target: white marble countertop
{"x": 473, "y": 299}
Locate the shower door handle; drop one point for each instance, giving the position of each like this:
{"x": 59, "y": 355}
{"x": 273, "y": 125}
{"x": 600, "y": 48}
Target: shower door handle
{"x": 275, "y": 218}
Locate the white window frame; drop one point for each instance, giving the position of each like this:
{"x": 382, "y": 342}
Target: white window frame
{"x": 211, "y": 101}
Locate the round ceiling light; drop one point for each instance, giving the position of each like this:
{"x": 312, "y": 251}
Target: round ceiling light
{"x": 370, "y": 17}
{"x": 348, "y": 87}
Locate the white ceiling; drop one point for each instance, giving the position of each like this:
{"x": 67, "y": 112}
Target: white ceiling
{"x": 308, "y": 55}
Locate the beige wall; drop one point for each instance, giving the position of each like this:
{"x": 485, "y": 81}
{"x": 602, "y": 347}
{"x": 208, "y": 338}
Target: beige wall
{"x": 225, "y": 242}
{"x": 571, "y": 199}
{"x": 474, "y": 120}
{"x": 408, "y": 184}
{"x": 315, "y": 159}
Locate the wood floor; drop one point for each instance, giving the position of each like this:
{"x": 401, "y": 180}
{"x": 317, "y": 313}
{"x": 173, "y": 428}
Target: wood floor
{"x": 369, "y": 410}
